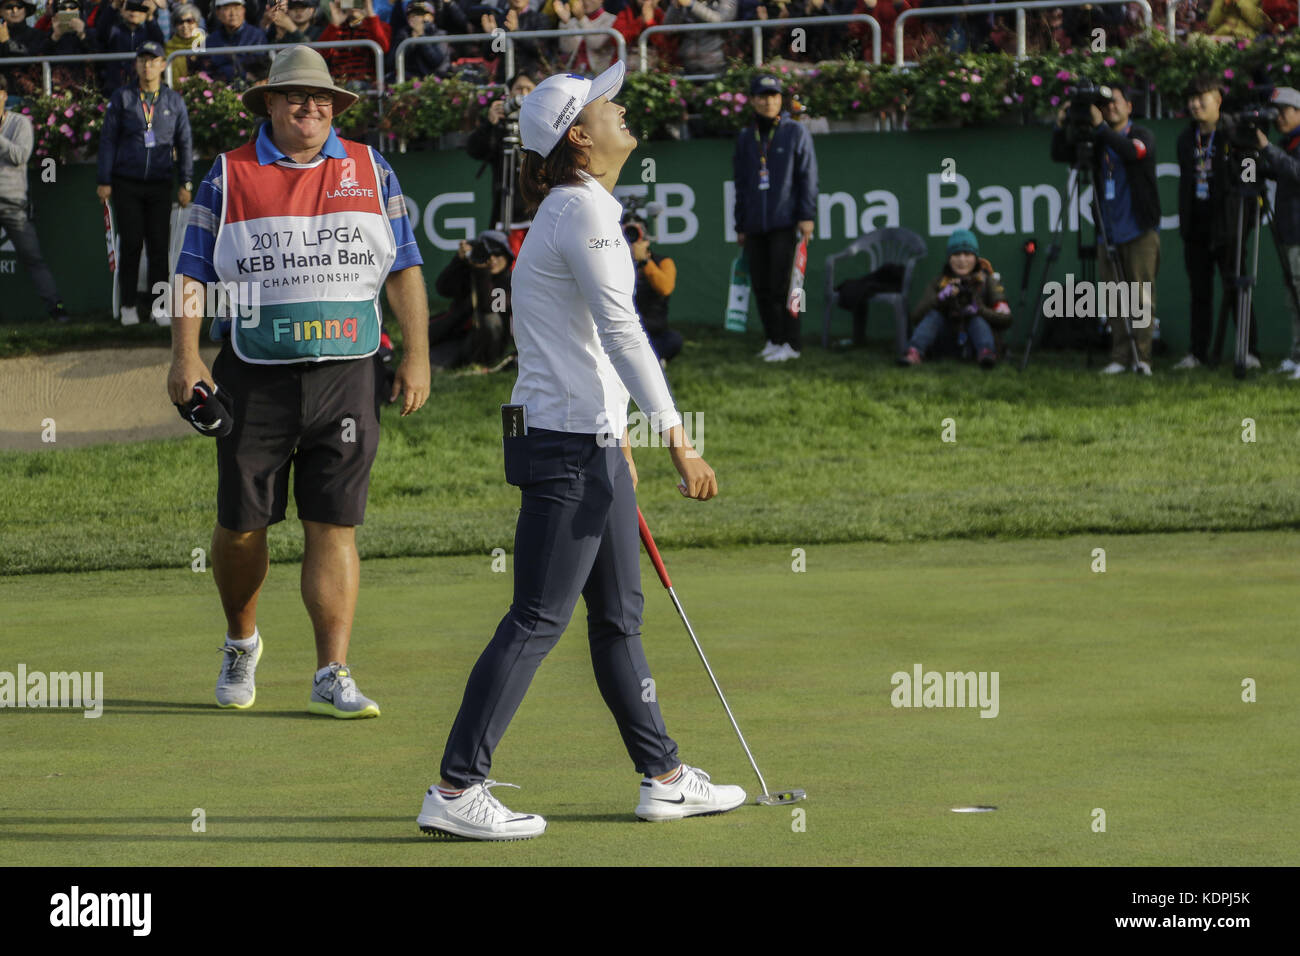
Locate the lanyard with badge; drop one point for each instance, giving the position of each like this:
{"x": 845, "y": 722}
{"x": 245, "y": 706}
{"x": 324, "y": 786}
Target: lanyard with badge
{"x": 764, "y": 179}
{"x": 1204, "y": 159}
{"x": 149, "y": 139}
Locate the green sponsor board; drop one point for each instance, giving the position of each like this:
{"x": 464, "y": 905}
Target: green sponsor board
{"x": 997, "y": 181}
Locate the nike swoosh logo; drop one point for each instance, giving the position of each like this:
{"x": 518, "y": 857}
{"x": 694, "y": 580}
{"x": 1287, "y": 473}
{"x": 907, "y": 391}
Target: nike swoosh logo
{"x": 517, "y": 819}
{"x": 681, "y": 799}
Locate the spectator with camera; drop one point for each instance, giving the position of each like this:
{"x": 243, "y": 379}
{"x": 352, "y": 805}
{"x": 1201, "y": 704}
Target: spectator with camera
{"x": 292, "y": 21}
{"x": 775, "y": 171}
{"x": 498, "y": 131}
{"x": 701, "y": 51}
{"x": 66, "y": 28}
{"x": 233, "y": 30}
{"x": 965, "y": 306}
{"x": 426, "y": 59}
{"x": 1282, "y": 163}
{"x": 632, "y": 21}
{"x": 1124, "y": 180}
{"x": 188, "y": 34}
{"x": 656, "y": 277}
{"x": 475, "y": 329}
{"x": 530, "y": 55}
{"x": 1239, "y": 19}
{"x": 1208, "y": 230}
{"x": 124, "y": 27}
{"x": 354, "y": 20}
{"x": 144, "y": 147}
{"x": 16, "y": 140}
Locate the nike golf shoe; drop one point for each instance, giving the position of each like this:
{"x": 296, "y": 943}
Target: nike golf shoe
{"x": 335, "y": 694}
{"x": 475, "y": 814}
{"x": 687, "y": 794}
{"x": 235, "y": 687}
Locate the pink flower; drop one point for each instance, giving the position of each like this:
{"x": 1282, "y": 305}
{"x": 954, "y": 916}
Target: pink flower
{"x": 726, "y": 112}
{"x": 709, "y": 101}
{"x": 213, "y": 125}
{"x": 243, "y": 116}
{"x": 50, "y": 121}
{"x": 482, "y": 101}
{"x": 647, "y": 109}
{"x": 1007, "y": 100}
{"x": 1062, "y": 74}
{"x": 1035, "y": 80}
{"x": 965, "y": 97}
{"x": 68, "y": 112}
{"x": 415, "y": 85}
{"x": 1228, "y": 74}
{"x": 1019, "y": 98}
{"x": 725, "y": 96}
{"x": 976, "y": 78}
{"x": 854, "y": 105}
{"x": 207, "y": 94}
{"x": 672, "y": 82}
{"x": 66, "y": 130}
{"x": 1286, "y": 68}
{"x": 85, "y": 136}
{"x": 455, "y": 101}
{"x": 742, "y": 99}
{"x": 1055, "y": 100}
{"x": 1109, "y": 61}
{"x": 1241, "y": 44}
{"x": 943, "y": 82}
{"x": 27, "y": 111}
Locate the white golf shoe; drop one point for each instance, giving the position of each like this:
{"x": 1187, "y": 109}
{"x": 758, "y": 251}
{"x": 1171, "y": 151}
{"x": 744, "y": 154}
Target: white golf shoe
{"x": 236, "y": 686}
{"x": 475, "y": 814}
{"x": 1189, "y": 361}
{"x": 690, "y": 794}
{"x": 768, "y": 349}
{"x": 129, "y": 315}
{"x": 1114, "y": 368}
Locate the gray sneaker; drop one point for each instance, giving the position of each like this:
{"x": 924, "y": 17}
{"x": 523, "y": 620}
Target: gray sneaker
{"x": 235, "y": 687}
{"x": 336, "y": 695}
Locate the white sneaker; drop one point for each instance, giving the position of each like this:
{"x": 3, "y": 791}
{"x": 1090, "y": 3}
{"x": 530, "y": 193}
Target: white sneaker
{"x": 161, "y": 315}
{"x": 236, "y": 685}
{"x": 1189, "y": 361}
{"x": 130, "y": 316}
{"x": 1288, "y": 366}
{"x": 768, "y": 349}
{"x": 690, "y": 795}
{"x": 1114, "y": 368}
{"x": 1296, "y": 374}
{"x": 476, "y": 815}
{"x": 783, "y": 353}
{"x": 1252, "y": 361}
{"x": 1143, "y": 368}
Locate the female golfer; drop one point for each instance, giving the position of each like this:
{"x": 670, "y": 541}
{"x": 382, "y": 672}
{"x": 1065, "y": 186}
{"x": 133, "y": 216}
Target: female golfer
{"x": 581, "y": 352}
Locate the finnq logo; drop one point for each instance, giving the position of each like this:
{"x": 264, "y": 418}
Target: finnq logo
{"x": 75, "y": 909}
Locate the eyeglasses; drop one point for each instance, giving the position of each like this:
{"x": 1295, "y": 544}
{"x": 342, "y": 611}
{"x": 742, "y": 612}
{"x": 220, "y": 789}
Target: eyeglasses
{"x": 187, "y": 20}
{"x": 298, "y": 98}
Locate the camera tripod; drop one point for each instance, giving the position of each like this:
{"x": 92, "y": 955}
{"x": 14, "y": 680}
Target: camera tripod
{"x": 509, "y": 177}
{"x": 1082, "y": 167}
{"x": 1241, "y": 195}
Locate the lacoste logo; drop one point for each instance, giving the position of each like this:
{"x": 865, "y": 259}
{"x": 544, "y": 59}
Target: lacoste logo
{"x": 347, "y": 182}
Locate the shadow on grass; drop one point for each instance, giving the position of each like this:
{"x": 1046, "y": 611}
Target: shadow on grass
{"x": 195, "y": 708}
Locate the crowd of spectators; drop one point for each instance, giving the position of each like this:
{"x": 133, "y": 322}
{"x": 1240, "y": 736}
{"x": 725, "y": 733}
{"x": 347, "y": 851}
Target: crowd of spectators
{"x": 74, "y": 28}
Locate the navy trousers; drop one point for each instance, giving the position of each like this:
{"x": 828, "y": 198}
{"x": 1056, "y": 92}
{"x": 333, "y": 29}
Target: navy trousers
{"x": 577, "y": 534}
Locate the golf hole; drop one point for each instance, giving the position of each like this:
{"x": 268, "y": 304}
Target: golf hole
{"x": 973, "y": 809}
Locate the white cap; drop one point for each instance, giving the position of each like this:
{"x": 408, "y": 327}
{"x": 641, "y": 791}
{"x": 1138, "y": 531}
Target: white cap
{"x": 1286, "y": 96}
{"x": 550, "y": 109}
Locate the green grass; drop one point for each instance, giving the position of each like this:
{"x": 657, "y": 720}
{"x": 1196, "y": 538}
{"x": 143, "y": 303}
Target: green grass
{"x": 836, "y": 447}
{"x": 1119, "y": 691}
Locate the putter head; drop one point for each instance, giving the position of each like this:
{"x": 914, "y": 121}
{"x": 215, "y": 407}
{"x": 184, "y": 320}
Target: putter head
{"x": 784, "y": 796}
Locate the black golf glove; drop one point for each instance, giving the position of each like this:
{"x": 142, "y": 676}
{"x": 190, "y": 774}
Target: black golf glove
{"x": 208, "y": 412}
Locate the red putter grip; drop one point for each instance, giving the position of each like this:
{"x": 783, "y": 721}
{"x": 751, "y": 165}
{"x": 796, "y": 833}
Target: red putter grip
{"x": 651, "y": 550}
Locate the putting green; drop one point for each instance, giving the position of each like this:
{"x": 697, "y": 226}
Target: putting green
{"x": 1118, "y": 691}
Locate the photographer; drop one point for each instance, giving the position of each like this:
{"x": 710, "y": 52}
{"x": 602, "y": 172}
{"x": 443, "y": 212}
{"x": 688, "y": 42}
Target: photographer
{"x": 488, "y": 144}
{"x": 427, "y": 59}
{"x": 475, "y": 329}
{"x": 656, "y": 276}
{"x": 291, "y": 21}
{"x": 1282, "y": 163}
{"x": 964, "y": 306}
{"x": 1204, "y": 222}
{"x": 1124, "y": 180}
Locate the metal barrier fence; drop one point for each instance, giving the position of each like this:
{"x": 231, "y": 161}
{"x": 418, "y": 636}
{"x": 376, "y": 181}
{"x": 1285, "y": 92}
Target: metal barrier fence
{"x": 1019, "y": 7}
{"x": 374, "y": 47}
{"x": 509, "y": 38}
{"x": 756, "y": 28}
{"x": 45, "y": 61}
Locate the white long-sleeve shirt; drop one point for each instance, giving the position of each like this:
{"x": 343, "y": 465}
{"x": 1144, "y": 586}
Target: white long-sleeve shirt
{"x": 582, "y": 349}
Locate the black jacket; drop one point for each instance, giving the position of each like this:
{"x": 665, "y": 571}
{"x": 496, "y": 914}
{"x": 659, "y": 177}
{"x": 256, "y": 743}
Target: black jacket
{"x": 1282, "y": 162}
{"x": 1217, "y": 229}
{"x": 1137, "y": 151}
{"x": 652, "y": 307}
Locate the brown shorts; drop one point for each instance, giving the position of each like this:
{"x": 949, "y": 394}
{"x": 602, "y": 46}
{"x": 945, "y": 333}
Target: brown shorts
{"x": 320, "y": 419}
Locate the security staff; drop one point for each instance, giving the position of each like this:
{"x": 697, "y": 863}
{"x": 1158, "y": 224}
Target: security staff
{"x": 581, "y": 352}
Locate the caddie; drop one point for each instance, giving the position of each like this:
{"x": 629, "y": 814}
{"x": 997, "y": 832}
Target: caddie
{"x": 307, "y": 227}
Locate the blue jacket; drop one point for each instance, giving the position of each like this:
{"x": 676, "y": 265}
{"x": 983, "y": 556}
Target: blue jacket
{"x": 229, "y": 67}
{"x": 121, "y": 143}
{"x": 792, "y": 172}
{"x": 1282, "y": 162}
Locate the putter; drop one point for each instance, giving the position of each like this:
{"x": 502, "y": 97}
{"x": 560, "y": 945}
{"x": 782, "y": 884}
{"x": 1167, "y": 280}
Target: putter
{"x": 767, "y": 799}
